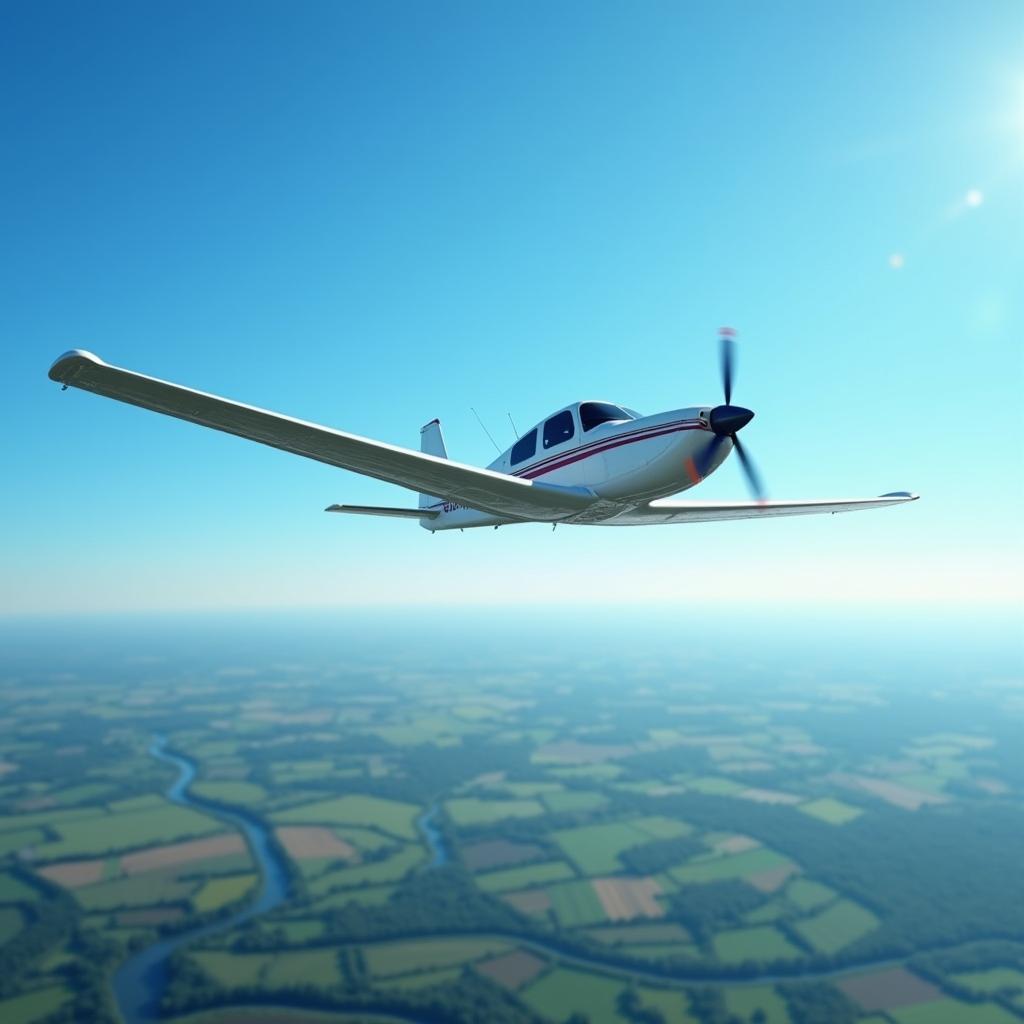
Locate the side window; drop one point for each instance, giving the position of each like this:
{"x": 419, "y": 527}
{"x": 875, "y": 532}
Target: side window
{"x": 558, "y": 429}
{"x": 525, "y": 447}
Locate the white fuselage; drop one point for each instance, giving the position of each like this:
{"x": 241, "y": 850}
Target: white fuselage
{"x": 625, "y": 462}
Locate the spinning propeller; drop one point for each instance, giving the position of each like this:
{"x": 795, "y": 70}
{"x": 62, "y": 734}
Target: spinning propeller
{"x": 727, "y": 420}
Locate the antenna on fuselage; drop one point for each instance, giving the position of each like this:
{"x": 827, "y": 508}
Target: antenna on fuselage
{"x": 513, "y": 422}
{"x": 484, "y": 429}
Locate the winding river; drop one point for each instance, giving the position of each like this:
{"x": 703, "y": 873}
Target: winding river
{"x": 140, "y": 982}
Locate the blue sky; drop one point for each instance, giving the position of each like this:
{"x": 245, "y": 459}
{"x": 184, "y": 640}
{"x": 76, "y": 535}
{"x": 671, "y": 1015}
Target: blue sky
{"x": 368, "y": 215}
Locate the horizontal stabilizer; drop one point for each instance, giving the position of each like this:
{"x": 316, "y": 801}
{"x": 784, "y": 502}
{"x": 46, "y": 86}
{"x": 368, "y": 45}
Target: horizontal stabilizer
{"x": 377, "y": 510}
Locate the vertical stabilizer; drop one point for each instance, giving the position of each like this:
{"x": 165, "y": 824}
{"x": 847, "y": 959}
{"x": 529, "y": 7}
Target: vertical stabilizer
{"x": 432, "y": 443}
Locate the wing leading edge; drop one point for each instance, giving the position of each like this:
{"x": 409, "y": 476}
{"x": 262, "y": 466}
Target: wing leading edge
{"x": 483, "y": 489}
{"x": 666, "y": 511}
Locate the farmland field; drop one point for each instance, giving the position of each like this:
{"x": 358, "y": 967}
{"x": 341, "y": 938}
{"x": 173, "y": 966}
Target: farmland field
{"x": 762, "y": 943}
{"x": 993, "y": 980}
{"x": 388, "y": 815}
{"x": 595, "y": 849}
{"x": 830, "y": 810}
{"x": 738, "y": 865}
{"x": 32, "y": 1006}
{"x": 836, "y": 926}
{"x": 951, "y": 1011}
{"x": 523, "y": 878}
{"x": 745, "y": 1002}
{"x": 576, "y": 904}
{"x": 474, "y": 811}
{"x": 126, "y": 831}
{"x": 402, "y": 957}
{"x": 562, "y": 992}
{"x": 219, "y": 892}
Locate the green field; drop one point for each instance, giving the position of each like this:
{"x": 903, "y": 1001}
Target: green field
{"x": 952, "y": 1011}
{"x": 390, "y": 869}
{"x": 390, "y": 958}
{"x": 246, "y": 794}
{"x": 273, "y": 970}
{"x": 806, "y": 895}
{"x": 127, "y": 831}
{"x": 524, "y": 878}
{"x": 576, "y": 904}
{"x": 13, "y": 822}
{"x": 830, "y": 810}
{"x": 745, "y": 1001}
{"x": 472, "y": 810}
{"x": 424, "y": 979}
{"x": 767, "y": 912}
{"x": 736, "y": 865}
{"x": 219, "y": 892}
{"x": 154, "y": 887}
{"x": 85, "y": 793}
{"x": 657, "y": 827}
{"x": 595, "y": 849}
{"x": 674, "y": 1007}
{"x": 995, "y": 979}
{"x": 562, "y": 992}
{"x": 573, "y": 800}
{"x": 388, "y": 815}
{"x": 763, "y": 943}
{"x": 32, "y": 1005}
{"x": 366, "y": 897}
{"x": 299, "y": 930}
{"x": 11, "y": 842}
{"x": 639, "y": 934}
{"x": 836, "y": 926}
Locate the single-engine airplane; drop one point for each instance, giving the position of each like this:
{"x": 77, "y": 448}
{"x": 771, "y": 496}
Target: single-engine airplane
{"x": 591, "y": 463}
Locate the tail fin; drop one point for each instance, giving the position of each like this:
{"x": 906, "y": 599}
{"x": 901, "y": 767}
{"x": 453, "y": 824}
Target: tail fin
{"x": 432, "y": 443}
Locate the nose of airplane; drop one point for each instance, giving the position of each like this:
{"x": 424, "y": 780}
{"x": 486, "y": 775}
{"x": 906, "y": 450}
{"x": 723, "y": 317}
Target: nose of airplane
{"x": 727, "y": 419}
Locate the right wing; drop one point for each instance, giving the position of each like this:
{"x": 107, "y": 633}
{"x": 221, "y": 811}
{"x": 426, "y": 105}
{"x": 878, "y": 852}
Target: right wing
{"x": 483, "y": 489}
{"x": 668, "y": 511}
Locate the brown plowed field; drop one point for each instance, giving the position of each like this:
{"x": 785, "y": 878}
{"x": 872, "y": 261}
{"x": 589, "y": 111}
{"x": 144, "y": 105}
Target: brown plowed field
{"x": 513, "y": 970}
{"x": 74, "y": 873}
{"x": 499, "y": 853}
{"x": 889, "y": 990}
{"x": 180, "y": 853}
{"x": 529, "y": 901}
{"x": 314, "y": 842}
{"x": 626, "y": 898}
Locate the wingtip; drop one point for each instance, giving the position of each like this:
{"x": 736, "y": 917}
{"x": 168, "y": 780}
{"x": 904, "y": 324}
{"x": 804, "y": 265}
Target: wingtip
{"x": 334, "y": 508}
{"x": 905, "y": 495}
{"x": 63, "y": 369}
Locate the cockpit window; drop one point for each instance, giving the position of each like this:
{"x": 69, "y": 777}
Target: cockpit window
{"x": 593, "y": 414}
{"x": 525, "y": 447}
{"x": 558, "y": 429}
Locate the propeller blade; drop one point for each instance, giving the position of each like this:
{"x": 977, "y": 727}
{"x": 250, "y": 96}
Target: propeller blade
{"x": 753, "y": 478}
{"x": 707, "y": 458}
{"x": 727, "y": 356}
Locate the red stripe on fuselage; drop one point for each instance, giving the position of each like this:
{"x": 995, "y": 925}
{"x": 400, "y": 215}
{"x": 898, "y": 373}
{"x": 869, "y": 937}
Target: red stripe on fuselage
{"x": 532, "y": 472}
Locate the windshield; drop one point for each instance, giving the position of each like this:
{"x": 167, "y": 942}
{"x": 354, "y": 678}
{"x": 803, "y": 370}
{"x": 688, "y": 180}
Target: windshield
{"x": 593, "y": 414}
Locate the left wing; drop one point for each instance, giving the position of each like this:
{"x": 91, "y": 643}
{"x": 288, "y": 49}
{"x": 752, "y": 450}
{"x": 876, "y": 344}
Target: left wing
{"x": 507, "y": 496}
{"x": 666, "y": 511}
